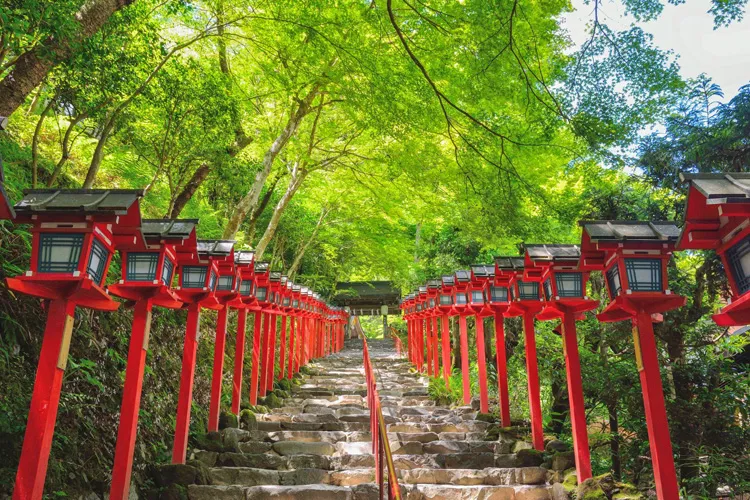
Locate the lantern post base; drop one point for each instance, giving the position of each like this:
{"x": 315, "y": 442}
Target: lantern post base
{"x": 484, "y": 403}
{"x": 502, "y": 371}
{"x": 185, "y": 399}
{"x": 446, "y": 351}
{"x": 40, "y": 426}
{"x": 131, "y": 401}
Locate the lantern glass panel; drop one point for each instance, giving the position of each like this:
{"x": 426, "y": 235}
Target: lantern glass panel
{"x": 498, "y": 294}
{"x": 59, "y": 253}
{"x": 548, "y": 289}
{"x": 432, "y": 303}
{"x": 477, "y": 297}
{"x": 644, "y": 275}
{"x": 225, "y": 283}
{"x": 287, "y": 301}
{"x": 246, "y": 287}
{"x": 295, "y": 304}
{"x": 419, "y": 307}
{"x": 461, "y": 299}
{"x": 260, "y": 293}
{"x": 446, "y": 300}
{"x": 142, "y": 266}
{"x": 569, "y": 285}
{"x": 212, "y": 281}
{"x": 194, "y": 276}
{"x": 167, "y": 271}
{"x": 613, "y": 281}
{"x": 738, "y": 258}
{"x": 97, "y": 261}
{"x": 528, "y": 290}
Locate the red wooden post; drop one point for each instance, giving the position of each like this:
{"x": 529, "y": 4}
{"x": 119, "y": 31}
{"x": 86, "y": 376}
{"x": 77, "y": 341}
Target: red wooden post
{"x": 465, "y": 359}
{"x": 264, "y": 354}
{"x": 656, "y": 412}
{"x": 502, "y": 370}
{"x": 282, "y": 347}
{"x": 257, "y": 332}
{"x": 532, "y": 375}
{"x": 484, "y": 403}
{"x": 421, "y": 340}
{"x": 214, "y": 406}
{"x": 271, "y": 355}
{"x": 435, "y": 349}
{"x": 575, "y": 394}
{"x": 446, "y": 351}
{"x": 239, "y": 359}
{"x": 185, "y": 399}
{"x": 40, "y": 427}
{"x": 292, "y": 346}
{"x": 428, "y": 333}
{"x": 131, "y": 400}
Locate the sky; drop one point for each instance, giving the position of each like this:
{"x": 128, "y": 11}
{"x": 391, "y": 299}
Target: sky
{"x": 687, "y": 30}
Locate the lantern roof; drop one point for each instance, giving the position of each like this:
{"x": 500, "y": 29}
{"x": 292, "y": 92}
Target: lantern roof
{"x": 244, "y": 257}
{"x": 552, "y": 253}
{"x": 78, "y": 201}
{"x": 721, "y": 188}
{"x": 422, "y": 289}
{"x": 483, "y": 270}
{"x": 168, "y": 229}
{"x": 512, "y": 263}
{"x": 448, "y": 281}
{"x": 433, "y": 284}
{"x": 275, "y": 276}
{"x": 618, "y": 230}
{"x": 261, "y": 267}
{"x": 463, "y": 276}
{"x": 215, "y": 248}
{"x": 296, "y": 288}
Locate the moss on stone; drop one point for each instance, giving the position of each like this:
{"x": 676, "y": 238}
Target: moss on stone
{"x": 227, "y": 420}
{"x": 248, "y": 421}
{"x": 530, "y": 458}
{"x": 487, "y": 417}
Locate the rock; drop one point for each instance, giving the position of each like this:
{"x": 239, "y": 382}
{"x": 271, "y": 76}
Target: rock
{"x": 486, "y": 417}
{"x": 174, "y": 492}
{"x": 522, "y": 445}
{"x": 228, "y": 420}
{"x": 529, "y": 458}
{"x": 304, "y": 476}
{"x": 556, "y": 445}
{"x": 182, "y": 474}
{"x": 272, "y": 401}
{"x": 303, "y": 448}
{"x": 563, "y": 461}
{"x": 248, "y": 421}
{"x": 207, "y": 457}
{"x": 531, "y": 475}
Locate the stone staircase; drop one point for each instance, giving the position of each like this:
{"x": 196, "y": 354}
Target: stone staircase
{"x": 317, "y": 446}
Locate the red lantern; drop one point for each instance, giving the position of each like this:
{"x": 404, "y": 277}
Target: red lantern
{"x": 525, "y": 300}
{"x": 199, "y": 272}
{"x": 244, "y": 261}
{"x": 481, "y": 276}
{"x": 556, "y": 267}
{"x": 73, "y": 236}
{"x": 717, "y": 217}
{"x": 148, "y": 264}
{"x": 633, "y": 257}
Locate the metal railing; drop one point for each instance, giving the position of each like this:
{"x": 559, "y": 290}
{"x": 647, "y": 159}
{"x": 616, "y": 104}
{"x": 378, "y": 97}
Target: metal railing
{"x": 381, "y": 448}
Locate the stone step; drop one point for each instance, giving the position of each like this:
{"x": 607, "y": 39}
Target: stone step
{"x": 369, "y": 491}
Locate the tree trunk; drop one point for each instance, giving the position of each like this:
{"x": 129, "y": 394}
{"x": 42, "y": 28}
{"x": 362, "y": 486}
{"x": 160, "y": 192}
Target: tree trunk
{"x": 298, "y": 258}
{"x": 33, "y": 66}
{"x": 248, "y": 203}
{"x": 96, "y": 160}
{"x": 35, "y": 143}
{"x": 65, "y": 146}
{"x": 298, "y": 176}
{"x": 614, "y": 439}
{"x": 189, "y": 190}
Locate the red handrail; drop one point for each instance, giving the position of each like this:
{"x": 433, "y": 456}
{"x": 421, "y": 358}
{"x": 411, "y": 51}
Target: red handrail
{"x": 397, "y": 341}
{"x": 380, "y": 446}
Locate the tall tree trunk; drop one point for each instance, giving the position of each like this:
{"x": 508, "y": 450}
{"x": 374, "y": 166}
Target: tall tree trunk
{"x": 248, "y": 203}
{"x": 298, "y": 258}
{"x": 65, "y": 146}
{"x": 260, "y": 209}
{"x": 35, "y": 143}
{"x": 614, "y": 438}
{"x": 297, "y": 177}
{"x": 96, "y": 160}
{"x": 33, "y": 66}
{"x": 189, "y": 190}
